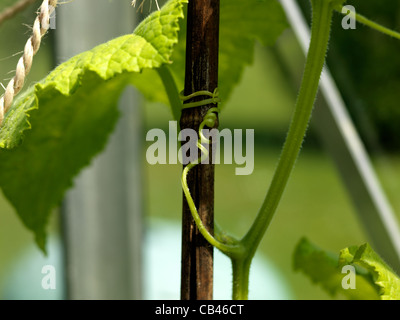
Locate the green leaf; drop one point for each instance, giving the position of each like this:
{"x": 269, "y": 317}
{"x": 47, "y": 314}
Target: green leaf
{"x": 65, "y": 120}
{"x": 242, "y": 24}
{"x": 323, "y": 269}
{"x": 385, "y": 279}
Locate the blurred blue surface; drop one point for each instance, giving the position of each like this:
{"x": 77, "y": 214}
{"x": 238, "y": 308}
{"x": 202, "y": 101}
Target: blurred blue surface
{"x": 24, "y": 280}
{"x": 161, "y": 267}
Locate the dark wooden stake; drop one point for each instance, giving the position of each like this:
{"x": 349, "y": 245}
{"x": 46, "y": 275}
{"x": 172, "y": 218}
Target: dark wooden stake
{"x": 201, "y": 74}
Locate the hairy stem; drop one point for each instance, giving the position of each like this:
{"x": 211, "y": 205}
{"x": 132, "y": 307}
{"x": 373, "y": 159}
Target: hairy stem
{"x": 241, "y": 273}
{"x": 320, "y": 33}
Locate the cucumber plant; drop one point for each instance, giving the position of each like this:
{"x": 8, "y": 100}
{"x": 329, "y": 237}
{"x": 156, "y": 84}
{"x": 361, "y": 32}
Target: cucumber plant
{"x": 54, "y": 128}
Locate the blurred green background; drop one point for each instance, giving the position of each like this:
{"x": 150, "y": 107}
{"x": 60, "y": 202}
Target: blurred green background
{"x": 315, "y": 203}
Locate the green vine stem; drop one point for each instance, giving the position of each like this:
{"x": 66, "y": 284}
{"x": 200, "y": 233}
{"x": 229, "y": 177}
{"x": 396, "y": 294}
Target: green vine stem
{"x": 320, "y": 32}
{"x": 322, "y": 11}
{"x": 240, "y": 275}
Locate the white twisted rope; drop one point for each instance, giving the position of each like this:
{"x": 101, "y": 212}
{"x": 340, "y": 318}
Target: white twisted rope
{"x": 40, "y": 27}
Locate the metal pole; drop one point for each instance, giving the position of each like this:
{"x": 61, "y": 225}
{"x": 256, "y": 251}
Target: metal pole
{"x": 102, "y": 215}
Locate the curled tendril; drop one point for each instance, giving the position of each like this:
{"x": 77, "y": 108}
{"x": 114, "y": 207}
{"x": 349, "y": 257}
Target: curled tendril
{"x": 228, "y": 245}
